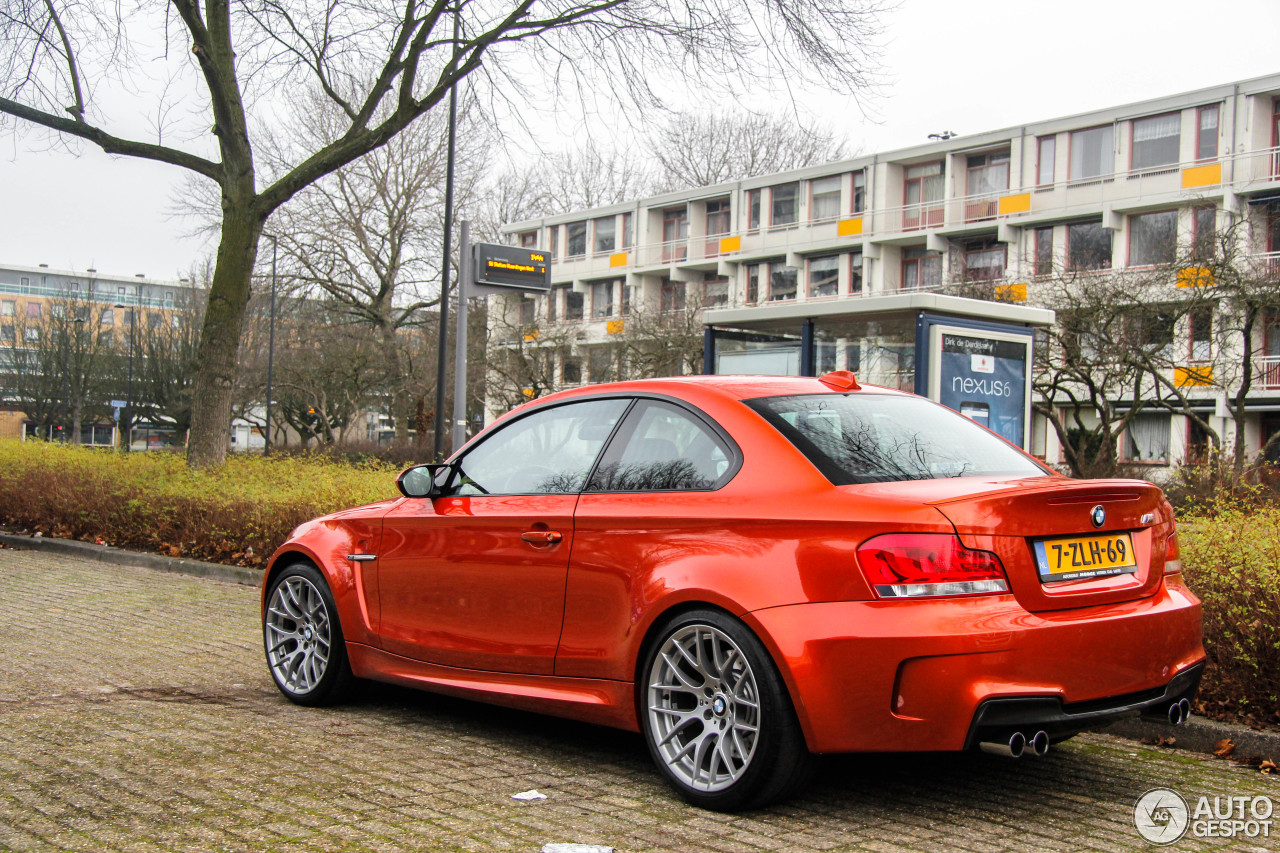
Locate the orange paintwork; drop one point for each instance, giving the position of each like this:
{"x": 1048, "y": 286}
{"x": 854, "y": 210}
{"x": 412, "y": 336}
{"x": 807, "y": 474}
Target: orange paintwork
{"x": 457, "y": 602}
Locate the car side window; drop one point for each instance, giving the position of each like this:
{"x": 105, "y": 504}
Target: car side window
{"x": 547, "y": 452}
{"x": 662, "y": 447}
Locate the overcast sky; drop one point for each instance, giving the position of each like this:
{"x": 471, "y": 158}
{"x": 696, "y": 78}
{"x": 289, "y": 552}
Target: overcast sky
{"x": 966, "y": 67}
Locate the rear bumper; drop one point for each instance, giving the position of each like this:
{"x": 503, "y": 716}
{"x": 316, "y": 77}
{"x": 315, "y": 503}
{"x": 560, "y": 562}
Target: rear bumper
{"x": 926, "y": 675}
{"x": 998, "y": 717}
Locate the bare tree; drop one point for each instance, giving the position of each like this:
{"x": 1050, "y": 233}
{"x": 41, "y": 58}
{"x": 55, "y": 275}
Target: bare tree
{"x": 701, "y": 149}
{"x": 384, "y": 68}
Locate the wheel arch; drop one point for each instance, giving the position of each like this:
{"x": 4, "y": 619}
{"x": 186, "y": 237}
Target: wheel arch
{"x": 664, "y": 618}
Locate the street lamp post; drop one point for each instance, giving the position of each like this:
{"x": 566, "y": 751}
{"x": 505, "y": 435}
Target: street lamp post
{"x": 271, "y": 347}
{"x": 133, "y": 335}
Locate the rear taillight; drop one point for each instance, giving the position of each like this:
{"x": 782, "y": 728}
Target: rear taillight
{"x": 1172, "y": 555}
{"x": 925, "y": 565}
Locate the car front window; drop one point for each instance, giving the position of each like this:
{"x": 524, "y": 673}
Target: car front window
{"x": 877, "y": 438}
{"x": 547, "y": 452}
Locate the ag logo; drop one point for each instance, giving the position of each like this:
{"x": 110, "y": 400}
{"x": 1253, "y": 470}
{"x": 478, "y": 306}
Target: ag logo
{"x": 1098, "y": 516}
{"x": 1161, "y": 815}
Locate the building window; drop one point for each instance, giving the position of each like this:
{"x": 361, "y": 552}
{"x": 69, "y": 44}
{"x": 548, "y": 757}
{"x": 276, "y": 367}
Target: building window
{"x": 1204, "y": 236}
{"x": 571, "y": 372}
{"x": 753, "y": 210}
{"x": 824, "y": 276}
{"x": 715, "y": 291}
{"x": 1156, "y": 141}
{"x": 784, "y": 203}
{"x": 782, "y": 283}
{"x": 1088, "y": 246}
{"x": 107, "y": 339}
{"x": 824, "y": 198}
{"x": 576, "y": 241}
{"x": 988, "y": 175}
{"x": 671, "y": 297}
{"x": 154, "y": 320}
{"x": 601, "y": 299}
{"x": 1146, "y": 439}
{"x": 1044, "y": 251}
{"x": 58, "y": 311}
{"x": 1092, "y": 153}
{"x": 717, "y": 224}
{"x": 923, "y": 194}
{"x": 32, "y": 335}
{"x": 7, "y": 308}
{"x": 528, "y": 312}
{"x": 675, "y": 233}
{"x": 921, "y": 269}
{"x": 1200, "y": 333}
{"x": 1153, "y": 238}
{"x": 984, "y": 260}
{"x": 7, "y": 335}
{"x": 628, "y": 238}
{"x": 606, "y": 235}
{"x": 860, "y": 191}
{"x": 107, "y": 317}
{"x": 753, "y": 284}
{"x": 1207, "y": 132}
{"x": 1047, "y": 152}
{"x": 553, "y": 237}
{"x": 24, "y": 284}
{"x": 528, "y": 239}
{"x": 573, "y": 305}
{"x": 33, "y": 310}
{"x": 855, "y": 271}
{"x": 168, "y": 299}
{"x": 600, "y": 365}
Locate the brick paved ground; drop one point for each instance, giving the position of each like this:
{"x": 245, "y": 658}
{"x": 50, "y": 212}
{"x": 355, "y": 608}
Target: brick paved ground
{"x": 136, "y": 714}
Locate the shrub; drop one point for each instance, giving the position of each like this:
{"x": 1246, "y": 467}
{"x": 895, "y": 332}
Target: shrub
{"x": 238, "y": 514}
{"x": 1231, "y": 559}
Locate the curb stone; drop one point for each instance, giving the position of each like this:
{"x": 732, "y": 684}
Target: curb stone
{"x": 1197, "y": 735}
{"x": 118, "y": 556}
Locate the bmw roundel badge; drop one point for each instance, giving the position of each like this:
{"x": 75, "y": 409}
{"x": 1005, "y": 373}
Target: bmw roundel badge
{"x": 1098, "y": 516}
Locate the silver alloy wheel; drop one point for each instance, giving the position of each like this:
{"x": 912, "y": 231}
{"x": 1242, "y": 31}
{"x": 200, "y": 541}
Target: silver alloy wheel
{"x": 297, "y": 635}
{"x": 704, "y": 708}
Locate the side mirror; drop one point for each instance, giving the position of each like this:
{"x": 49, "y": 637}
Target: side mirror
{"x": 424, "y": 481}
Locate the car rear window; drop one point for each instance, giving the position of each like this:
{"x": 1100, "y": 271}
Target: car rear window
{"x": 879, "y": 438}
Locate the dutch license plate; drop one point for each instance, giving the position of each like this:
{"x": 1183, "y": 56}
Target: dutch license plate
{"x": 1080, "y": 557}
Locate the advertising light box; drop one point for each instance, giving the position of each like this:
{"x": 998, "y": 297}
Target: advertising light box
{"x": 984, "y": 375}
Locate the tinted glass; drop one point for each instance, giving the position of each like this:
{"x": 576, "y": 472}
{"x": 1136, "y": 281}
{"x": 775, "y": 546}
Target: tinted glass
{"x": 662, "y": 447}
{"x": 548, "y": 452}
{"x": 876, "y": 438}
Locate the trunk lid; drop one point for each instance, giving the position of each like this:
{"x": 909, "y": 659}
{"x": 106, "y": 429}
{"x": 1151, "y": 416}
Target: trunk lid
{"x": 1008, "y": 517}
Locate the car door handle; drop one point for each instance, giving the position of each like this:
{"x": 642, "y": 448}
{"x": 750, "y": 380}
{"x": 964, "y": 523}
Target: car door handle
{"x": 541, "y": 537}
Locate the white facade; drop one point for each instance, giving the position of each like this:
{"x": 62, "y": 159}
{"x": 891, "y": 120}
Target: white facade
{"x": 999, "y": 207}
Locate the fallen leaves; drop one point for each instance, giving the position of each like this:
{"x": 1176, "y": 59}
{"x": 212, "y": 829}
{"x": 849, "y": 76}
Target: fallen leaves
{"x": 1224, "y": 747}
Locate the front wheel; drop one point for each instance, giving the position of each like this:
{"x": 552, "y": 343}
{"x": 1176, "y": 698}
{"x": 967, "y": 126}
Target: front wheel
{"x": 305, "y": 650}
{"x": 717, "y": 717}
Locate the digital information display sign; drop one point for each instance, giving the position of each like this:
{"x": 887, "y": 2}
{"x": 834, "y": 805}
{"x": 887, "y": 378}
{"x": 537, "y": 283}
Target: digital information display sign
{"x": 984, "y": 375}
{"x": 511, "y": 267}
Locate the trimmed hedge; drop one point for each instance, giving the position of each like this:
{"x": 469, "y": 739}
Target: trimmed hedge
{"x": 1231, "y": 559}
{"x": 238, "y": 514}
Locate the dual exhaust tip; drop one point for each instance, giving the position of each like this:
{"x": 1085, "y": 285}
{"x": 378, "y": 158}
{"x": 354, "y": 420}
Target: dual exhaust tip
{"x": 1016, "y": 744}
{"x": 1175, "y": 714}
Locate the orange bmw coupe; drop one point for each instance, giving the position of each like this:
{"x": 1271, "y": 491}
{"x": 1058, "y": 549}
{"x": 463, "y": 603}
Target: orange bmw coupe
{"x": 750, "y": 571}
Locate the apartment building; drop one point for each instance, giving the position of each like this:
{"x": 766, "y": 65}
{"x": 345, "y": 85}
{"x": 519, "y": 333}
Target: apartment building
{"x": 31, "y": 296}
{"x": 831, "y": 267}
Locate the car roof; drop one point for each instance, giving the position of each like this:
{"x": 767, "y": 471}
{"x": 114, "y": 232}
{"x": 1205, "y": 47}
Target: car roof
{"x": 731, "y": 387}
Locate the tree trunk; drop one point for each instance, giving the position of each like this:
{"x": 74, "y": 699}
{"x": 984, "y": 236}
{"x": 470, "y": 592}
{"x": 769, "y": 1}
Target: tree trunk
{"x": 210, "y": 433}
{"x": 75, "y": 424}
{"x": 400, "y": 404}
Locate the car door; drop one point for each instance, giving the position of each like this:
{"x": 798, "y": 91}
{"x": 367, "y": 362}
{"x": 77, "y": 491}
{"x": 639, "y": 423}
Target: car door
{"x": 476, "y": 578}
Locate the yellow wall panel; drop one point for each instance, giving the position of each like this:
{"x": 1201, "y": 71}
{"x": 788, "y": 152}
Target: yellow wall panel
{"x": 618, "y": 260}
{"x": 849, "y": 227}
{"x": 1019, "y": 203}
{"x": 1195, "y": 277}
{"x": 1191, "y": 377}
{"x": 1012, "y": 292}
{"x": 1202, "y": 176}
{"x": 730, "y": 244}
{"x": 616, "y": 327}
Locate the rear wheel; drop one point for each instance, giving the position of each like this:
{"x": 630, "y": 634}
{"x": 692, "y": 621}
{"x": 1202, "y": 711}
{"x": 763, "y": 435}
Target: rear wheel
{"x": 305, "y": 650}
{"x": 717, "y": 717}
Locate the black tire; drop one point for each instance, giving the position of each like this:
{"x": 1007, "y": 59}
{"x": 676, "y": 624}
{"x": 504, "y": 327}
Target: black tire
{"x": 717, "y": 717}
{"x": 305, "y": 649}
